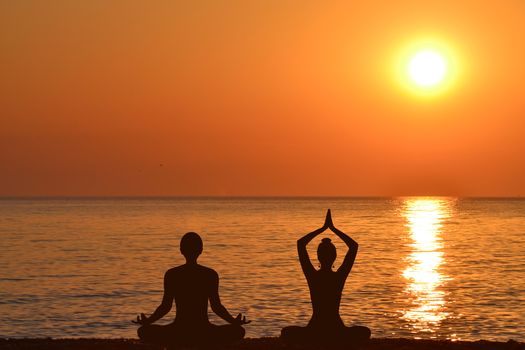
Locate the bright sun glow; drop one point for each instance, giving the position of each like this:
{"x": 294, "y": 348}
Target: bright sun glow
{"x": 427, "y": 68}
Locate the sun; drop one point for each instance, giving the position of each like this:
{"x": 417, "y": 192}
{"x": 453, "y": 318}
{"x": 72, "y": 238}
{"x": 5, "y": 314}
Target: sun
{"x": 427, "y": 68}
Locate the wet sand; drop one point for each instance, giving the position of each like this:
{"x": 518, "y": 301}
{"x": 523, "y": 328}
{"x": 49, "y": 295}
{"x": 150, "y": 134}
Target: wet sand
{"x": 254, "y": 344}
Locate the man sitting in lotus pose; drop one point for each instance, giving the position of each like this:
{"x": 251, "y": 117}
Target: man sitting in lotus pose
{"x": 191, "y": 286}
{"x": 326, "y": 288}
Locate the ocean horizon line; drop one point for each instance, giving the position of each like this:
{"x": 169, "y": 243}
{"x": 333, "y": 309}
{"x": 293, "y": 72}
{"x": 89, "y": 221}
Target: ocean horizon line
{"x": 250, "y": 197}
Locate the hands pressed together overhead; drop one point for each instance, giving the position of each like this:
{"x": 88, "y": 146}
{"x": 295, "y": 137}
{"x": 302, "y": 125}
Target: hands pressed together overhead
{"x": 328, "y": 223}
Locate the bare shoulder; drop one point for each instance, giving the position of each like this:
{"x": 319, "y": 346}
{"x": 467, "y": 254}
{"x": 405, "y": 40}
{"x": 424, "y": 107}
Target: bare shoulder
{"x": 171, "y": 272}
{"x": 209, "y": 272}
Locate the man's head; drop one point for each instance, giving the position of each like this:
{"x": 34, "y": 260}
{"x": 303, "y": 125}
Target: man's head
{"x": 191, "y": 246}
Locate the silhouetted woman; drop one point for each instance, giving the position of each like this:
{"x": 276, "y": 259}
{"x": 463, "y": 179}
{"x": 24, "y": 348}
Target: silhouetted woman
{"x": 326, "y": 287}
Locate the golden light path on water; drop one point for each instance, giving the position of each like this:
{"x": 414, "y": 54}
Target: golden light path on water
{"x": 424, "y": 280}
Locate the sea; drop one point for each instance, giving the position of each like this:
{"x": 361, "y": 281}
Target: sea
{"x": 427, "y": 267}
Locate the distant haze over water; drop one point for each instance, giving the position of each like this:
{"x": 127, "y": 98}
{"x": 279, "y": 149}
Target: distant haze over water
{"x": 427, "y": 267}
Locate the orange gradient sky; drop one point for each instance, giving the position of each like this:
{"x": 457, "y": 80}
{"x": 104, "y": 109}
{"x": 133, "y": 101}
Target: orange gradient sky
{"x": 257, "y": 98}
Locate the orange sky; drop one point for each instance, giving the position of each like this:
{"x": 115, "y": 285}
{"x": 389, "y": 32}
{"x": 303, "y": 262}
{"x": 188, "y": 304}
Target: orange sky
{"x": 256, "y": 98}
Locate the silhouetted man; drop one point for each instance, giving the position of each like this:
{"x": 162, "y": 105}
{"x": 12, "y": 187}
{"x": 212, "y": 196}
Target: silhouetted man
{"x": 191, "y": 286}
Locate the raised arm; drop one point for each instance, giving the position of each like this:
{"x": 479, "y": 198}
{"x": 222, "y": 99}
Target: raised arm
{"x": 163, "y": 308}
{"x": 304, "y": 259}
{"x": 352, "y": 245}
{"x": 219, "y": 309}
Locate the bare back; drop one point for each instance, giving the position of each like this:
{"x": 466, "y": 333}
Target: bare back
{"x": 191, "y": 287}
{"x": 326, "y": 288}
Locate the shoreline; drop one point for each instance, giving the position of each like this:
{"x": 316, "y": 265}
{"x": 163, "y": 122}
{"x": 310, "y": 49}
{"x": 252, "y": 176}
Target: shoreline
{"x": 252, "y": 344}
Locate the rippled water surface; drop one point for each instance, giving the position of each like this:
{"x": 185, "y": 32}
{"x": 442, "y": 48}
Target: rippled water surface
{"x": 426, "y": 267}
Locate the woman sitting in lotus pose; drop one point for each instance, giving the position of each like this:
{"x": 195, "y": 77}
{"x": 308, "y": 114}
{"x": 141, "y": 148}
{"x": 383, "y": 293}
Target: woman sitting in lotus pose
{"x": 326, "y": 287}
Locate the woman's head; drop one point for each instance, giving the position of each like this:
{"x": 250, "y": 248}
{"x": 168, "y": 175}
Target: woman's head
{"x": 326, "y": 253}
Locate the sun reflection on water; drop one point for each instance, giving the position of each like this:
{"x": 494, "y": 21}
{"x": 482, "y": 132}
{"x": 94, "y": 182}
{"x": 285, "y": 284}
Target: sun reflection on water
{"x": 424, "y": 280}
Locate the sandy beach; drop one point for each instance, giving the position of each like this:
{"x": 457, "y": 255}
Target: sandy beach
{"x": 254, "y": 344}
